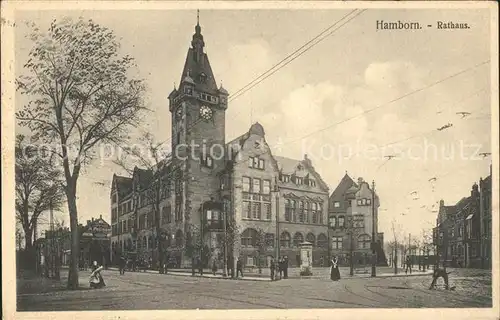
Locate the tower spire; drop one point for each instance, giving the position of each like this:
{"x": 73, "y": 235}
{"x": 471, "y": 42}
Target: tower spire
{"x": 198, "y": 17}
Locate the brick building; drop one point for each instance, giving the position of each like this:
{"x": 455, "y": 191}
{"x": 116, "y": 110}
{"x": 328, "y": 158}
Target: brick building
{"x": 208, "y": 184}
{"x": 485, "y": 220}
{"x": 350, "y": 222}
{"x": 458, "y": 231}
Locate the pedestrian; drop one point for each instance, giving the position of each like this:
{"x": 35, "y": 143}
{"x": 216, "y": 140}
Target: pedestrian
{"x": 334, "y": 270}
{"x": 285, "y": 264}
{"x": 272, "y": 267}
{"x": 280, "y": 267}
{"x": 200, "y": 266}
{"x": 239, "y": 268}
{"x": 96, "y": 280}
{"x": 408, "y": 264}
{"x": 214, "y": 267}
{"x": 122, "y": 265}
{"x": 193, "y": 265}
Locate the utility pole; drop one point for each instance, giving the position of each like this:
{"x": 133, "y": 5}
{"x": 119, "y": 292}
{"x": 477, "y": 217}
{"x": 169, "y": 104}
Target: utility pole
{"x": 374, "y": 254}
{"x": 277, "y": 191}
{"x": 225, "y": 238}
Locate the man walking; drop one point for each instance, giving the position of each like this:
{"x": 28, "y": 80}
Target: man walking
{"x": 285, "y": 265}
{"x": 272, "y": 267}
{"x": 408, "y": 264}
{"x": 239, "y": 268}
{"x": 193, "y": 266}
{"x": 200, "y": 266}
{"x": 122, "y": 265}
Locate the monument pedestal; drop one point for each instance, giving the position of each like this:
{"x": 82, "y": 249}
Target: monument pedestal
{"x": 306, "y": 259}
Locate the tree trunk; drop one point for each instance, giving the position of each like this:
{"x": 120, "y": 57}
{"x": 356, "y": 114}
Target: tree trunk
{"x": 75, "y": 241}
{"x": 29, "y": 255}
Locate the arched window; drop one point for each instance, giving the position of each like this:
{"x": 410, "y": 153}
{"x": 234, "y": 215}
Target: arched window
{"x": 285, "y": 240}
{"x": 249, "y": 238}
{"x": 298, "y": 238}
{"x": 293, "y": 212}
{"x": 322, "y": 241}
{"x": 311, "y": 238}
{"x": 301, "y": 211}
{"x": 364, "y": 241}
{"x": 178, "y": 238}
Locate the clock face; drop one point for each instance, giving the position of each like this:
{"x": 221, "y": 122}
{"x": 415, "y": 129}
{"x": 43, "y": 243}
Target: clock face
{"x": 206, "y": 113}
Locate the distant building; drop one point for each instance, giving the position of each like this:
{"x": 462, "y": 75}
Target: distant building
{"x": 458, "y": 231}
{"x": 350, "y": 217}
{"x": 485, "y": 220}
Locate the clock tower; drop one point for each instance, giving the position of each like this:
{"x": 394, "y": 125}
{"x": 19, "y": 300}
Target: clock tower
{"x": 197, "y": 110}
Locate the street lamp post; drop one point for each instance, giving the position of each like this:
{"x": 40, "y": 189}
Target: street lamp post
{"x": 277, "y": 196}
{"x": 225, "y": 238}
{"x": 374, "y": 272}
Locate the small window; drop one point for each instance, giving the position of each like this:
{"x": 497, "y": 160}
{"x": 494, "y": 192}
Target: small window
{"x": 261, "y": 164}
{"x": 250, "y": 162}
{"x": 336, "y": 204}
{"x": 359, "y": 202}
{"x": 246, "y": 184}
{"x": 256, "y": 186}
{"x": 255, "y": 162}
{"x": 368, "y": 201}
{"x": 363, "y": 201}
{"x": 266, "y": 186}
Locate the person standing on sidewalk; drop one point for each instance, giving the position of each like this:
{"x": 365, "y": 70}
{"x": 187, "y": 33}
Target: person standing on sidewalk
{"x": 239, "y": 268}
{"x": 200, "y": 266}
{"x": 408, "y": 264}
{"x": 122, "y": 265}
{"x": 272, "y": 267}
{"x": 280, "y": 267}
{"x": 285, "y": 264}
{"x": 214, "y": 267}
{"x": 193, "y": 265}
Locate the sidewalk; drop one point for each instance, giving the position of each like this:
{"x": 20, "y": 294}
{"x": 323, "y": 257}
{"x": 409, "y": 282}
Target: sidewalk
{"x": 318, "y": 273}
{"x": 187, "y": 273}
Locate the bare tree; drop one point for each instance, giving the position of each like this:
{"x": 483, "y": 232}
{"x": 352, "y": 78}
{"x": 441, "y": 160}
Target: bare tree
{"x": 37, "y": 188}
{"x": 80, "y": 95}
{"x": 150, "y": 155}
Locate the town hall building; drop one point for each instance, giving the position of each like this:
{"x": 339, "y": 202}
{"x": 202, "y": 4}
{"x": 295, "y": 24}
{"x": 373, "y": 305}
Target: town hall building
{"x": 215, "y": 192}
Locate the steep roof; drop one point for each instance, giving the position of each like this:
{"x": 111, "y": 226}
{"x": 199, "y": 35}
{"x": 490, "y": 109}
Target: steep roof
{"x": 290, "y": 166}
{"x": 338, "y": 194}
{"x": 123, "y": 185}
{"x": 194, "y": 69}
{"x": 144, "y": 177}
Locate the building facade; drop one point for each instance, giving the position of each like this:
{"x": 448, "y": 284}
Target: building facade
{"x": 353, "y": 210}
{"x": 209, "y": 193}
{"x": 458, "y": 231}
{"x": 485, "y": 202}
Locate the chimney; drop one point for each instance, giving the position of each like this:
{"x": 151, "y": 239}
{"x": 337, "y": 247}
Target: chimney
{"x": 307, "y": 160}
{"x": 100, "y": 216}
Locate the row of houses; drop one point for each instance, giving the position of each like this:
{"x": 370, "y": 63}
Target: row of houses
{"x": 463, "y": 231}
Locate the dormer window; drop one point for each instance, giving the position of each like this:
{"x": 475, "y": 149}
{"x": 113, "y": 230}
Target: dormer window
{"x": 299, "y": 180}
{"x": 336, "y": 204}
{"x": 311, "y": 183}
{"x": 256, "y": 163}
{"x": 188, "y": 91}
{"x": 203, "y": 77}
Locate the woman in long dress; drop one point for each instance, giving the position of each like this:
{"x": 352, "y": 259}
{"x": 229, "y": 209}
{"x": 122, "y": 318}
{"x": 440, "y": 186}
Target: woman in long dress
{"x": 334, "y": 270}
{"x": 96, "y": 280}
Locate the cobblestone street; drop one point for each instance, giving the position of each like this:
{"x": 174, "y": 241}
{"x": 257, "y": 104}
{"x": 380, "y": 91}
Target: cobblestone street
{"x": 148, "y": 291}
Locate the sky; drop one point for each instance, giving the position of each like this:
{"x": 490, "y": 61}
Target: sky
{"x": 355, "y": 97}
